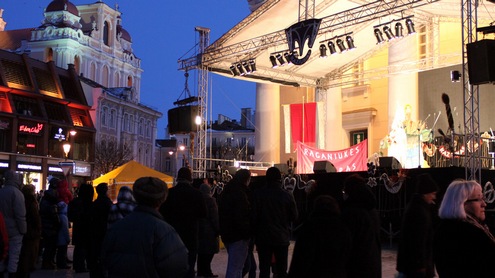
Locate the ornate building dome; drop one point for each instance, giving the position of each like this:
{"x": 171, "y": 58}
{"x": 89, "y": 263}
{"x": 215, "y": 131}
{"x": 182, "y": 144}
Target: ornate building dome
{"x": 62, "y": 5}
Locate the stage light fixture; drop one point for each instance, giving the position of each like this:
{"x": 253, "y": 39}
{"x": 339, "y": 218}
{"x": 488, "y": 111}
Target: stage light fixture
{"x": 398, "y": 30}
{"x": 273, "y": 60}
{"x": 323, "y": 51}
{"x": 388, "y": 33}
{"x": 233, "y": 70}
{"x": 241, "y": 69}
{"x": 287, "y": 58}
{"x": 455, "y": 76}
{"x": 280, "y": 59}
{"x": 252, "y": 63}
{"x": 331, "y": 47}
{"x": 379, "y": 36}
{"x": 410, "y": 26}
{"x": 350, "y": 42}
{"x": 247, "y": 67}
{"x": 340, "y": 44}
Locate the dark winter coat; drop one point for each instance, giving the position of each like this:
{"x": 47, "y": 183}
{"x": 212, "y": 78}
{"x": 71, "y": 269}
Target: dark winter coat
{"x": 362, "y": 219}
{"x": 12, "y": 204}
{"x": 416, "y": 238}
{"x": 322, "y": 248}
{"x": 79, "y": 213}
{"x": 274, "y": 209}
{"x": 209, "y": 227}
{"x": 461, "y": 250}
{"x": 143, "y": 245}
{"x": 234, "y": 212}
{"x": 183, "y": 208}
{"x": 50, "y": 221}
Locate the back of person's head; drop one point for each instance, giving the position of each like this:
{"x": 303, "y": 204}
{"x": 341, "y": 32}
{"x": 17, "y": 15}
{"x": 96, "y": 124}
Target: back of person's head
{"x": 125, "y": 195}
{"x": 86, "y": 192}
{"x": 102, "y": 189}
{"x": 53, "y": 183}
{"x": 356, "y": 191}
{"x": 243, "y": 176}
{"x": 150, "y": 191}
{"x": 326, "y": 204}
{"x": 184, "y": 175}
{"x": 13, "y": 178}
{"x": 426, "y": 184}
{"x": 28, "y": 189}
{"x": 273, "y": 175}
{"x": 205, "y": 189}
{"x": 452, "y": 206}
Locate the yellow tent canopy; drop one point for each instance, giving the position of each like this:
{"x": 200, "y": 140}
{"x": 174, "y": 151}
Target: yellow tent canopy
{"x": 127, "y": 174}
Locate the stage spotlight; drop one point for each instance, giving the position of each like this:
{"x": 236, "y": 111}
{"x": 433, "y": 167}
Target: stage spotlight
{"x": 388, "y": 33}
{"x": 340, "y": 44}
{"x": 280, "y": 59}
{"x": 410, "y": 26}
{"x": 240, "y": 69}
{"x": 287, "y": 58}
{"x": 233, "y": 70}
{"x": 331, "y": 48}
{"x": 323, "y": 51}
{"x": 379, "y": 36}
{"x": 273, "y": 60}
{"x": 247, "y": 67}
{"x": 455, "y": 76}
{"x": 252, "y": 63}
{"x": 350, "y": 42}
{"x": 398, "y": 30}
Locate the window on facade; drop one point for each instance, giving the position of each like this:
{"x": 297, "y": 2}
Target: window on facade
{"x": 92, "y": 74}
{"x": 106, "y": 34}
{"x": 131, "y": 124}
{"x": 125, "y": 122}
{"x": 148, "y": 129}
{"x": 49, "y": 55}
{"x": 77, "y": 64}
{"x": 26, "y": 106}
{"x": 116, "y": 79}
{"x": 104, "y": 76}
{"x": 129, "y": 81}
{"x": 141, "y": 128}
{"x": 5, "y": 139}
{"x": 29, "y": 144}
{"x": 113, "y": 118}
{"x": 104, "y": 112}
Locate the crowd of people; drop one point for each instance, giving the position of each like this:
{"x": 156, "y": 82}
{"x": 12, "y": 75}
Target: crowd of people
{"x": 155, "y": 231}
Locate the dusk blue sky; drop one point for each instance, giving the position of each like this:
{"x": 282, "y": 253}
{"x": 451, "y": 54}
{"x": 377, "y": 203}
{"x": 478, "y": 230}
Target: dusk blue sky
{"x": 162, "y": 31}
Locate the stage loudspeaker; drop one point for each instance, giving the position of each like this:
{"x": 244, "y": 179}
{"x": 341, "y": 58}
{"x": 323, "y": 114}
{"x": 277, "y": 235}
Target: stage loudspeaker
{"x": 481, "y": 62}
{"x": 181, "y": 120}
{"x": 389, "y": 162}
{"x": 324, "y": 166}
{"x": 283, "y": 167}
{"x": 232, "y": 170}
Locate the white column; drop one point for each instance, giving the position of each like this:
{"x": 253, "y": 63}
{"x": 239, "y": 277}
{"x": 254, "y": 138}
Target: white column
{"x": 335, "y": 137}
{"x": 402, "y": 87}
{"x": 268, "y": 123}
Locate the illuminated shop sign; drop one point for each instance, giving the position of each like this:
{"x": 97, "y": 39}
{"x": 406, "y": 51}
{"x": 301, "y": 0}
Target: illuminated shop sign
{"x": 58, "y": 133}
{"x": 32, "y": 167}
{"x": 55, "y": 169}
{"x": 82, "y": 170}
{"x": 4, "y": 125}
{"x": 4, "y": 164}
{"x": 31, "y": 128}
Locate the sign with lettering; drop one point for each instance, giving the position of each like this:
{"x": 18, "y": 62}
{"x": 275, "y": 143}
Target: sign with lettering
{"x": 31, "y": 128}
{"x": 346, "y": 160}
{"x": 4, "y": 125}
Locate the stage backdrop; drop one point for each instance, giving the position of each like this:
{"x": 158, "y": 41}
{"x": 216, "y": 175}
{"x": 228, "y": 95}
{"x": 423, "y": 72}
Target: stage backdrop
{"x": 346, "y": 160}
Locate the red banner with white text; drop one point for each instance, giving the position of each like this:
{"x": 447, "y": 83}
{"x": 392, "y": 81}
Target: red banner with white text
{"x": 346, "y": 160}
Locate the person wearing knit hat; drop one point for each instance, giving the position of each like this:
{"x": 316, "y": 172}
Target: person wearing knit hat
{"x": 415, "y": 254}
{"x": 183, "y": 208}
{"x": 145, "y": 235}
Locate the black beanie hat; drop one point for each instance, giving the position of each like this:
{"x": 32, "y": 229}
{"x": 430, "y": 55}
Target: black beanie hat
{"x": 426, "y": 184}
{"x": 185, "y": 174}
{"x": 273, "y": 174}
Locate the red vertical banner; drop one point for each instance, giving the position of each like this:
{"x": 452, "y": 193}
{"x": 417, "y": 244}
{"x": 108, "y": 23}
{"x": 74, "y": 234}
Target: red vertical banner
{"x": 303, "y": 123}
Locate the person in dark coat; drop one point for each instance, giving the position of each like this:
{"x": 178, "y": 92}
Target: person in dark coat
{"x": 463, "y": 246}
{"x": 360, "y": 215}
{"x": 31, "y": 240}
{"x": 183, "y": 209}
{"x": 13, "y": 208}
{"x": 209, "y": 230}
{"x": 64, "y": 197}
{"x": 50, "y": 225}
{"x": 99, "y": 217}
{"x": 274, "y": 211}
{"x": 323, "y": 244}
{"x": 79, "y": 213}
{"x": 142, "y": 244}
{"x": 235, "y": 227}
{"x": 415, "y": 252}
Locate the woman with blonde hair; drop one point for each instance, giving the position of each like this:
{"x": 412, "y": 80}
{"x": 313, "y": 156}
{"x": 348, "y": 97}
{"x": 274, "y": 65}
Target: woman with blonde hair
{"x": 462, "y": 245}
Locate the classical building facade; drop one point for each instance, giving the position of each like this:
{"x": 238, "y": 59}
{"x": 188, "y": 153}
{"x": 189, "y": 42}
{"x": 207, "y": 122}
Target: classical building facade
{"x": 92, "y": 39}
